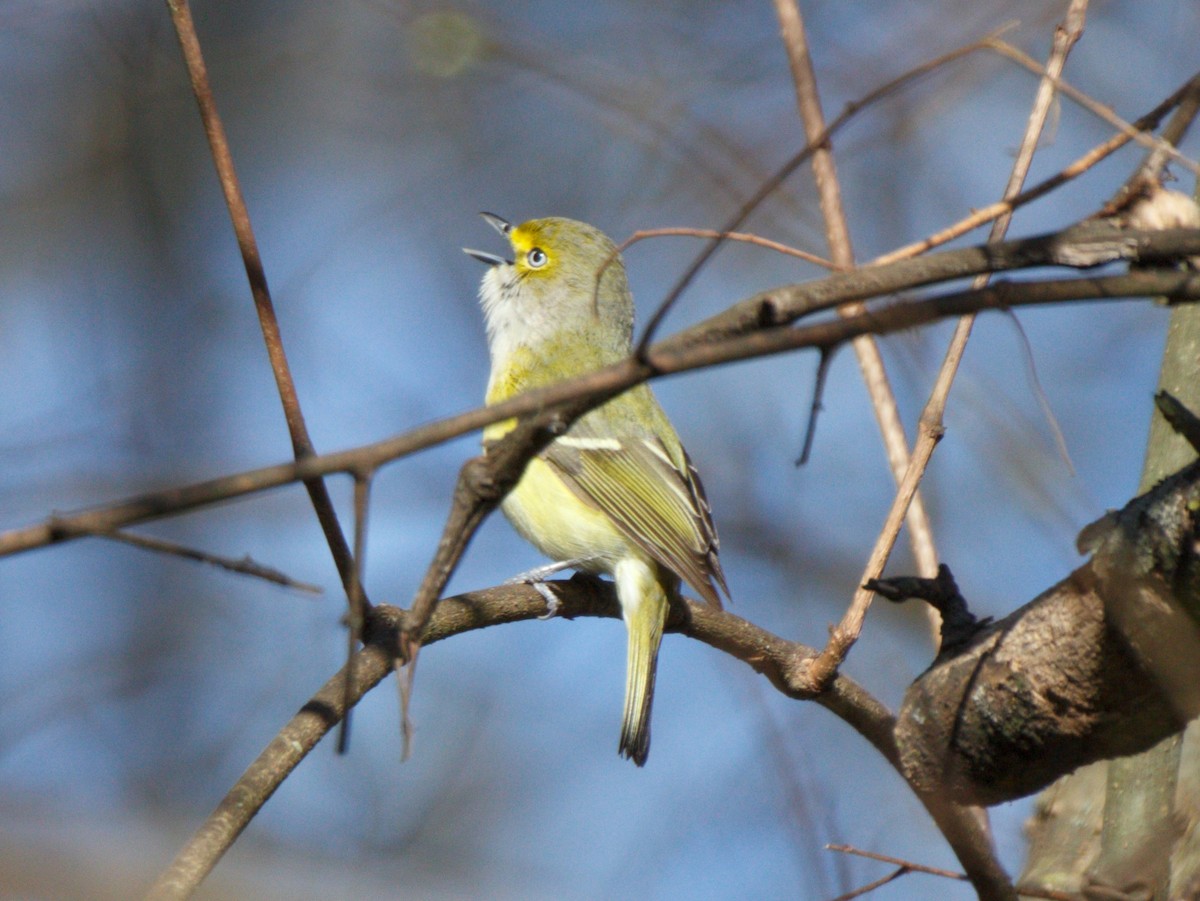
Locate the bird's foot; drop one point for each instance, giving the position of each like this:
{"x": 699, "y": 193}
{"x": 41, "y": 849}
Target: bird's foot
{"x": 536, "y": 579}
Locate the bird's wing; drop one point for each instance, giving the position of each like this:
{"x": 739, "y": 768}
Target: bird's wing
{"x": 654, "y": 497}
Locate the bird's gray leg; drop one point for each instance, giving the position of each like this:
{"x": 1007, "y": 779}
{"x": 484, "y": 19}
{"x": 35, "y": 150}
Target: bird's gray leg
{"x": 536, "y": 578}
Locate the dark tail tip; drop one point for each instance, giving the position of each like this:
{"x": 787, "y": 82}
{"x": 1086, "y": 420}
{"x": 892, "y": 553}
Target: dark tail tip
{"x": 635, "y": 747}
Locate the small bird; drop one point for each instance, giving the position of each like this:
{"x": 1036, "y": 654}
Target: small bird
{"x": 616, "y": 493}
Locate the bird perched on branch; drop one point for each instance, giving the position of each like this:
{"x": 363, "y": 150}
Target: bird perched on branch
{"x": 617, "y": 493}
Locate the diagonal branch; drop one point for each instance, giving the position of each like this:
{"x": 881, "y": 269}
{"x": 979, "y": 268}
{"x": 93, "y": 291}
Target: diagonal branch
{"x": 302, "y": 446}
{"x": 772, "y": 184}
{"x": 1150, "y": 172}
{"x": 246, "y": 566}
{"x": 750, "y": 328}
{"x": 1084, "y": 163}
{"x": 931, "y": 424}
{"x": 1093, "y": 106}
{"x": 870, "y": 361}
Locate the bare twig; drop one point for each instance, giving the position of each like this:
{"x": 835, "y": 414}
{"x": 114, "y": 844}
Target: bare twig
{"x": 1150, "y": 173}
{"x": 808, "y": 100}
{"x": 244, "y": 566}
{"x": 895, "y": 861}
{"x": 871, "y": 886}
{"x": 756, "y": 240}
{"x": 1092, "y": 106}
{"x": 750, "y": 328}
{"x": 870, "y": 361}
{"x": 302, "y": 445}
{"x": 815, "y": 407}
{"x": 772, "y": 184}
{"x": 993, "y": 211}
{"x": 357, "y": 617}
{"x": 931, "y": 427}
{"x": 908, "y": 866}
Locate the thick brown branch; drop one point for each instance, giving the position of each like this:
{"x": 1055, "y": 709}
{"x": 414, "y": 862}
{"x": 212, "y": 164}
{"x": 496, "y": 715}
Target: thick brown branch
{"x": 1102, "y": 665}
{"x": 768, "y": 654}
{"x": 748, "y": 329}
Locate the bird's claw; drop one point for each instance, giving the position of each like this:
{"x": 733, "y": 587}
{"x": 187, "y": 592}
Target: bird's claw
{"x": 536, "y": 579}
{"x": 552, "y": 601}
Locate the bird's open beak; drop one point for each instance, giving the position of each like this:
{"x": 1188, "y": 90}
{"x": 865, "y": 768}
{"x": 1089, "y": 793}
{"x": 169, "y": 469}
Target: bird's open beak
{"x": 499, "y": 224}
{"x": 488, "y": 258}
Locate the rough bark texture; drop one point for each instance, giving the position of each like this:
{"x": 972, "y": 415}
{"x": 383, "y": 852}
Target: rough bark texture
{"x": 1106, "y": 663}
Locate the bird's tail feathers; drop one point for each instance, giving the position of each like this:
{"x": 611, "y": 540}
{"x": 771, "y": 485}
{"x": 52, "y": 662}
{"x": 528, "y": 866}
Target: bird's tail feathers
{"x": 644, "y": 617}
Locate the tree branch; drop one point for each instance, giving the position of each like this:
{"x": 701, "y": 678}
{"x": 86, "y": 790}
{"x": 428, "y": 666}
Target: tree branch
{"x": 766, "y": 653}
{"x": 771, "y": 185}
{"x": 1102, "y": 665}
{"x": 866, "y": 351}
{"x": 302, "y": 446}
{"x": 748, "y": 329}
{"x": 931, "y": 425}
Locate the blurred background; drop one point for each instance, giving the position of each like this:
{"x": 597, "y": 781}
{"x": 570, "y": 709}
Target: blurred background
{"x": 135, "y": 688}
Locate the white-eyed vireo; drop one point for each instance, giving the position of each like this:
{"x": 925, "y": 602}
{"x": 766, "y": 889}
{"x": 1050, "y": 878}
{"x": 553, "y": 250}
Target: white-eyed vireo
{"x": 616, "y": 493}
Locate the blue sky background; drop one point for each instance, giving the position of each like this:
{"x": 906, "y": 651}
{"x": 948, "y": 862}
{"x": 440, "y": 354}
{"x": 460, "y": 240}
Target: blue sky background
{"x": 136, "y": 688}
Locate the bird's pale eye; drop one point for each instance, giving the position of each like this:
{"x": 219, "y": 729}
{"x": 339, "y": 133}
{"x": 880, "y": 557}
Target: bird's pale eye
{"x": 536, "y": 258}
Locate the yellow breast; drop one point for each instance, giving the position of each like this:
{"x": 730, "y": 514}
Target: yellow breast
{"x": 547, "y": 513}
{"x": 560, "y": 525}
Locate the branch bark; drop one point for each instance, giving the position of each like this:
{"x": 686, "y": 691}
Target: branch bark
{"x": 1104, "y": 664}
{"x": 748, "y": 329}
{"x": 768, "y": 654}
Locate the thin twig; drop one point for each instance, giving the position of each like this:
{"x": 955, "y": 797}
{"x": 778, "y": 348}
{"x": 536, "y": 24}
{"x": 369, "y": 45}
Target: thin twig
{"x": 815, "y": 407}
{"x": 871, "y": 886}
{"x": 744, "y": 237}
{"x": 912, "y": 867}
{"x": 895, "y": 861}
{"x": 357, "y": 617}
{"x": 866, "y": 350}
{"x": 772, "y": 184}
{"x": 1084, "y": 163}
{"x": 244, "y": 566}
{"x": 808, "y": 101}
{"x": 302, "y": 446}
{"x": 931, "y": 424}
{"x": 1093, "y": 106}
{"x": 1151, "y": 171}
